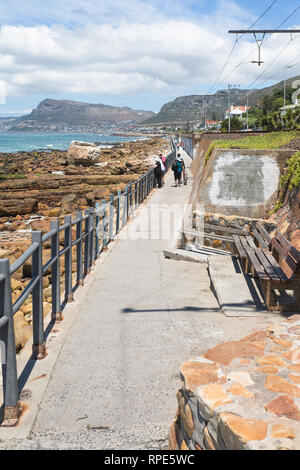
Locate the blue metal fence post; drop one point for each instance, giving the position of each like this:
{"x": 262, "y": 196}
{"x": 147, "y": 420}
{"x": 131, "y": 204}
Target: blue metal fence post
{"x": 130, "y": 197}
{"x": 55, "y": 273}
{"x": 135, "y": 194}
{"x": 79, "y": 248}
{"x": 111, "y": 217}
{"x": 68, "y": 259}
{"x": 150, "y": 180}
{"x": 148, "y": 183}
{"x": 140, "y": 189}
{"x": 124, "y": 215}
{"x": 143, "y": 188}
{"x": 97, "y": 228}
{"x": 92, "y": 237}
{"x": 104, "y": 224}
{"x": 118, "y": 211}
{"x": 127, "y": 202}
{"x": 39, "y": 346}
{"x": 8, "y": 354}
{"x": 87, "y": 242}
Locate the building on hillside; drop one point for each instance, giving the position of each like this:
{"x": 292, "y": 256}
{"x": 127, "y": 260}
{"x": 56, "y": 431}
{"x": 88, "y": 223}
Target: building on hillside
{"x": 236, "y": 111}
{"x": 212, "y": 124}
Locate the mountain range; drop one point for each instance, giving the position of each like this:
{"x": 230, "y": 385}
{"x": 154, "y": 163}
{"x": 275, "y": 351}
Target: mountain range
{"x": 66, "y": 115}
{"x": 187, "y": 108}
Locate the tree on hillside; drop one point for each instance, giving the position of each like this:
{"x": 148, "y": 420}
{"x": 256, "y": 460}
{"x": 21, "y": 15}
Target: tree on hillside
{"x": 279, "y": 93}
{"x": 272, "y": 103}
{"x": 235, "y": 124}
{"x": 267, "y": 104}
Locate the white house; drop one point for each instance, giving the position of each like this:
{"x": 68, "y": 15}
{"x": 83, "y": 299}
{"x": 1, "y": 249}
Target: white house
{"x": 237, "y": 111}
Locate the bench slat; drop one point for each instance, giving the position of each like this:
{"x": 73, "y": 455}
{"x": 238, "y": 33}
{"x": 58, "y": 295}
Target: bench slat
{"x": 250, "y": 242}
{"x": 255, "y": 262}
{"x": 288, "y": 247}
{"x": 267, "y": 265}
{"x": 239, "y": 247}
{"x": 261, "y": 229}
{"x": 275, "y": 265}
{"x": 261, "y": 242}
{"x": 218, "y": 228}
{"x": 285, "y": 256}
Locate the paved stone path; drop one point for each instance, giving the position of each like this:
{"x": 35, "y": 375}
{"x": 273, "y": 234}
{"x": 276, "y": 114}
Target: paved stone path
{"x": 113, "y": 384}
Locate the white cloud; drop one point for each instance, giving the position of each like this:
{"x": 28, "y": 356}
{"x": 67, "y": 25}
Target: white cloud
{"x": 136, "y": 57}
{"x": 78, "y": 12}
{"x": 3, "y": 91}
{"x": 20, "y": 112}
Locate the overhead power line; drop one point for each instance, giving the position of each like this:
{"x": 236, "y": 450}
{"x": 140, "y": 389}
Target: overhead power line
{"x": 272, "y": 62}
{"x": 235, "y": 43}
{"x": 249, "y": 55}
{"x": 277, "y": 74}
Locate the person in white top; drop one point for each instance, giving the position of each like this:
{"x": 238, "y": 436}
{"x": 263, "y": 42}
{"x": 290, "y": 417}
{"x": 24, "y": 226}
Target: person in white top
{"x": 159, "y": 170}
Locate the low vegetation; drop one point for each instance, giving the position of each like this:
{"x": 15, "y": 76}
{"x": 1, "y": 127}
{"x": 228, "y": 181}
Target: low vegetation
{"x": 272, "y": 140}
{"x": 14, "y": 176}
{"x": 289, "y": 180}
{"x": 291, "y": 177}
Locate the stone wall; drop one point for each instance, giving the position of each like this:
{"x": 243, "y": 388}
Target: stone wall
{"x": 220, "y": 221}
{"x": 242, "y": 395}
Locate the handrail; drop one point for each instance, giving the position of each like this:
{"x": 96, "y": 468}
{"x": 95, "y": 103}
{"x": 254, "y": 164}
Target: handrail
{"x": 95, "y": 229}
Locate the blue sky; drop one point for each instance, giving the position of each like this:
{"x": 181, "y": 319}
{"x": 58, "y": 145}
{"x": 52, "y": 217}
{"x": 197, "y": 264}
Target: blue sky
{"x": 136, "y": 53}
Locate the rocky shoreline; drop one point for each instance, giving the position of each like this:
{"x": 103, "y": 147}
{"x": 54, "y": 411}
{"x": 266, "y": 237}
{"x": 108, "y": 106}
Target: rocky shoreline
{"x": 54, "y": 183}
{"x": 36, "y": 187}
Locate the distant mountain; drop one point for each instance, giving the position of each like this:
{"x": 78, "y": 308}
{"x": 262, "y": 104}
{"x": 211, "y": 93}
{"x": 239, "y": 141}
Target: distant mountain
{"x": 188, "y": 108}
{"x": 7, "y": 122}
{"x": 256, "y": 95}
{"x": 54, "y": 114}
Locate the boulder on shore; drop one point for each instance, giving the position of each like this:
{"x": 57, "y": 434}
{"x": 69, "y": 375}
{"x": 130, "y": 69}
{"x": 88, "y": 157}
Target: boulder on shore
{"x": 83, "y": 153}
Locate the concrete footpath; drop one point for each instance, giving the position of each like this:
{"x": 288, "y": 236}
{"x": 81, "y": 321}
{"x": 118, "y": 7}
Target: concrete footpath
{"x": 112, "y": 371}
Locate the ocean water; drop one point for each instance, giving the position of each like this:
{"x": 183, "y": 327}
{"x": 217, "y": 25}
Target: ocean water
{"x": 11, "y": 142}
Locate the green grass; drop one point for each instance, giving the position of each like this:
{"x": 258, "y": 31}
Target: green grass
{"x": 272, "y": 140}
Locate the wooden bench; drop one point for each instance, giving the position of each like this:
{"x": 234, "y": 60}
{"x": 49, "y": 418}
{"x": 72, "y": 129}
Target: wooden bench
{"x": 264, "y": 257}
{"x": 260, "y": 239}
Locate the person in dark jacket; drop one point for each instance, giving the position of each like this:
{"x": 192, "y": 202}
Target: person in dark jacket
{"x": 158, "y": 172}
{"x": 178, "y": 168}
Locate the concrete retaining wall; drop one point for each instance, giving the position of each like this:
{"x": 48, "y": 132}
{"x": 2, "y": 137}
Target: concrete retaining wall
{"x": 241, "y": 182}
{"x": 236, "y": 181}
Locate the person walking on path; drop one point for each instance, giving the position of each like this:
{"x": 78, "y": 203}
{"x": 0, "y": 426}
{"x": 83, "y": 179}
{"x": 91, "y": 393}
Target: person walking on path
{"x": 158, "y": 172}
{"x": 163, "y": 159}
{"x": 178, "y": 167}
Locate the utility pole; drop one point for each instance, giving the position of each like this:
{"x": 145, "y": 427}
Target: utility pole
{"x": 284, "y": 84}
{"x": 229, "y": 108}
{"x": 204, "y": 110}
{"x": 247, "y": 106}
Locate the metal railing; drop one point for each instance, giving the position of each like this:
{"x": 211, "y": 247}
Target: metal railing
{"x": 94, "y": 230}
